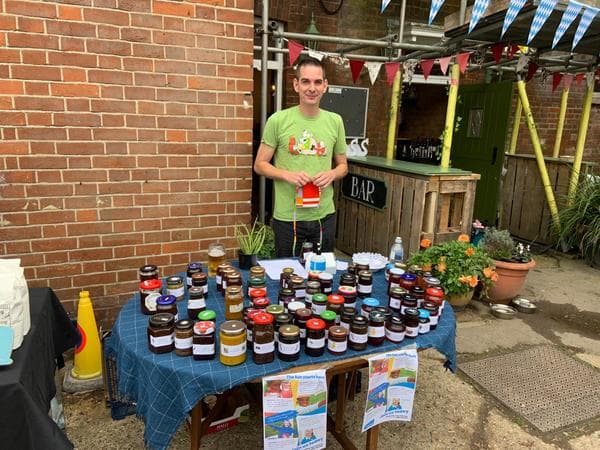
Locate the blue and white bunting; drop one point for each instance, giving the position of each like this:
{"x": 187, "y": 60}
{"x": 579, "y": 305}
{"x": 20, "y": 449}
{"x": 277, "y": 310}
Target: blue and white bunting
{"x": 542, "y": 13}
{"x": 384, "y": 4}
{"x": 511, "y": 14}
{"x": 567, "y": 19}
{"x": 586, "y": 20}
{"x": 477, "y": 12}
{"x": 436, "y": 5}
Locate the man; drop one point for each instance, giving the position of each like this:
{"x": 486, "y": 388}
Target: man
{"x": 297, "y": 149}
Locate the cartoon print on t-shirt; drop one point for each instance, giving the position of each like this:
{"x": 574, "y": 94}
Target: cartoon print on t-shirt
{"x": 306, "y": 145}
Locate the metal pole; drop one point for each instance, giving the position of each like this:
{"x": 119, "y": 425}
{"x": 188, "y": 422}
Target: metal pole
{"x": 450, "y": 114}
{"x": 539, "y": 155}
{"x": 579, "y": 147}
{"x": 516, "y": 126}
{"x": 389, "y": 38}
{"x": 564, "y": 99}
{"x": 264, "y": 78}
{"x": 463, "y": 12}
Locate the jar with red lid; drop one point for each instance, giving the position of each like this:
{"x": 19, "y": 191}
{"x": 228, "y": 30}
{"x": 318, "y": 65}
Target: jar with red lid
{"x": 148, "y": 287}
{"x": 411, "y": 323}
{"x": 263, "y": 338}
{"x": 434, "y": 294}
{"x": 257, "y": 293}
{"x": 349, "y": 293}
{"x": 394, "y": 279}
{"x": 419, "y": 293}
{"x": 257, "y": 284}
{"x": 396, "y": 296}
{"x": 260, "y": 303}
{"x": 302, "y": 316}
{"x": 315, "y": 337}
{"x": 434, "y": 313}
{"x": 408, "y": 301}
{"x": 408, "y": 280}
{"x": 335, "y": 303}
{"x": 203, "y": 347}
{"x": 250, "y": 323}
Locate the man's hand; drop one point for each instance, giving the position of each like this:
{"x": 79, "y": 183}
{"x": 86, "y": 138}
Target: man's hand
{"x": 324, "y": 179}
{"x": 298, "y": 179}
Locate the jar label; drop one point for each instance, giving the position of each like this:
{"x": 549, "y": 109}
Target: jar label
{"x": 394, "y": 336}
{"x": 395, "y": 303}
{"x": 183, "y": 344}
{"x": 434, "y": 320}
{"x": 161, "y": 341}
{"x": 358, "y": 338}
{"x": 412, "y": 331}
{"x": 196, "y": 303}
{"x": 346, "y": 325}
{"x": 178, "y": 292}
{"x": 150, "y": 301}
{"x": 261, "y": 349}
{"x": 205, "y": 288}
{"x": 249, "y": 335}
{"x": 289, "y": 349}
{"x": 376, "y": 331}
{"x": 402, "y": 308}
{"x": 327, "y": 290}
{"x": 233, "y": 350}
{"x": 365, "y": 288}
{"x": 315, "y": 343}
{"x": 352, "y": 305}
{"x": 318, "y": 309}
{"x": 337, "y": 347}
{"x": 224, "y": 284}
{"x": 218, "y": 279}
{"x": 300, "y": 293}
{"x": 308, "y": 297}
{"x": 424, "y": 328}
{"x": 203, "y": 349}
{"x": 188, "y": 281}
{"x": 236, "y": 308}
{"x": 302, "y": 333}
{"x": 364, "y": 313}
{"x": 393, "y": 285}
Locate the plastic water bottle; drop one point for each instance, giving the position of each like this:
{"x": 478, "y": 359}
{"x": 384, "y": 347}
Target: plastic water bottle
{"x": 397, "y": 251}
{"x": 317, "y": 261}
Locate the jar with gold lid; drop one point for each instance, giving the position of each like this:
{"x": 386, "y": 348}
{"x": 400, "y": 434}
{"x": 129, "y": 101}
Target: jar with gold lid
{"x": 284, "y": 277}
{"x": 176, "y": 287}
{"x": 302, "y": 316}
{"x": 232, "y": 342}
{"x": 288, "y": 347}
{"x": 200, "y": 279}
{"x": 365, "y": 283}
{"x": 228, "y": 272}
{"x": 234, "y": 303}
{"x": 184, "y": 336}
{"x": 312, "y": 287}
{"x": 337, "y": 340}
{"x": 196, "y": 302}
{"x": 219, "y": 275}
{"x": 298, "y": 285}
{"x": 286, "y": 295}
{"x": 315, "y": 340}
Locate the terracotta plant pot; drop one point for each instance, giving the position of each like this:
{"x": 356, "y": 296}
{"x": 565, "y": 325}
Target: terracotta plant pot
{"x": 460, "y": 300}
{"x": 511, "y": 277}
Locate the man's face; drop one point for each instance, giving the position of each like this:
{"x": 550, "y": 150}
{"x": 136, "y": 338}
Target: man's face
{"x": 311, "y": 86}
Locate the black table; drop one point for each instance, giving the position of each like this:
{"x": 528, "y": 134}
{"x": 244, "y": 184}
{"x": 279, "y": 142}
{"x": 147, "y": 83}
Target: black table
{"x": 27, "y": 385}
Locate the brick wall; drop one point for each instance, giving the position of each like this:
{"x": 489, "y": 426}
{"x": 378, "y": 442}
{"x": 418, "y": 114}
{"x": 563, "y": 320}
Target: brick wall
{"x": 126, "y": 138}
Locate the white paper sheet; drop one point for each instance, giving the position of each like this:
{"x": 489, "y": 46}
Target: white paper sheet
{"x": 273, "y": 267}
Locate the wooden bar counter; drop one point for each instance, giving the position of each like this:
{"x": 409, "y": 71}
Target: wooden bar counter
{"x": 418, "y": 201}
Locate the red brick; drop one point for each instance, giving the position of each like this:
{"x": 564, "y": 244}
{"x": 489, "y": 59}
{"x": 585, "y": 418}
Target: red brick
{"x": 29, "y": 25}
{"x": 172, "y": 9}
{"x": 109, "y": 47}
{"x": 11, "y": 87}
{"x": 83, "y": 229}
{"x": 106, "y": 17}
{"x": 69, "y": 12}
{"x": 30, "y": 8}
{"x": 74, "y": 90}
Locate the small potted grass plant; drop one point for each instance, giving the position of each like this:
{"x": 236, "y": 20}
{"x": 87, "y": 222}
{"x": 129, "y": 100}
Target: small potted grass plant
{"x": 250, "y": 241}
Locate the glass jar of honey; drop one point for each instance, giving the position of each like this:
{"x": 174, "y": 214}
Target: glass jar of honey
{"x": 234, "y": 303}
{"x": 232, "y": 340}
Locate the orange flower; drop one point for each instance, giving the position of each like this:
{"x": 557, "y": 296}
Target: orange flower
{"x": 426, "y": 267}
{"x": 495, "y": 277}
{"x": 488, "y": 272}
{"x": 425, "y": 243}
{"x": 473, "y": 281}
{"x": 470, "y": 251}
{"x": 441, "y": 267}
{"x": 463, "y": 238}
{"x": 464, "y": 279}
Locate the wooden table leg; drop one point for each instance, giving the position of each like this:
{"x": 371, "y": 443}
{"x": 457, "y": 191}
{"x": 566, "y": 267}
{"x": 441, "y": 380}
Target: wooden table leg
{"x": 340, "y": 405}
{"x": 195, "y": 433}
{"x": 372, "y": 438}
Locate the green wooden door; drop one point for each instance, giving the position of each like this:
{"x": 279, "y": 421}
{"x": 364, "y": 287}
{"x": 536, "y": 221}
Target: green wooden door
{"x": 478, "y": 145}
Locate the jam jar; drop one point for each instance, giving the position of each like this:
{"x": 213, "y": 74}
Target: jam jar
{"x": 281, "y": 319}
{"x": 411, "y": 322}
{"x": 408, "y": 301}
{"x": 387, "y": 313}
{"x": 257, "y": 284}
{"x": 435, "y": 294}
{"x": 295, "y": 306}
{"x": 434, "y": 314}
{"x": 346, "y": 317}
{"x": 227, "y": 272}
{"x": 298, "y": 285}
{"x": 368, "y": 305}
{"x": 192, "y": 268}
{"x": 149, "y": 293}
{"x": 232, "y": 338}
{"x": 419, "y": 293}
{"x": 348, "y": 279}
{"x": 362, "y": 264}
{"x": 184, "y": 336}
{"x": 196, "y": 303}
{"x": 203, "y": 347}
{"x": 329, "y": 318}
{"x": 313, "y": 275}
{"x": 315, "y": 337}
{"x": 424, "y": 322}
{"x": 232, "y": 279}
{"x": 396, "y": 296}
{"x": 167, "y": 304}
{"x": 326, "y": 280}
{"x": 395, "y": 278}
{"x": 312, "y": 288}
{"x": 221, "y": 268}
{"x": 432, "y": 282}
{"x": 303, "y": 315}
{"x": 319, "y": 304}
{"x": 200, "y": 279}
{"x": 148, "y": 272}
{"x": 263, "y": 339}
{"x": 234, "y": 303}
{"x": 359, "y": 333}
{"x": 337, "y": 340}
{"x": 376, "y": 328}
{"x": 275, "y": 309}
{"x": 260, "y": 303}
{"x": 284, "y": 277}
{"x": 335, "y": 303}
{"x": 349, "y": 294}
{"x": 250, "y": 324}
{"x": 307, "y": 250}
{"x": 286, "y": 295}
{"x": 258, "y": 272}
{"x": 394, "y": 330}
{"x": 288, "y": 347}
{"x": 365, "y": 283}
{"x": 408, "y": 280}
{"x": 160, "y": 332}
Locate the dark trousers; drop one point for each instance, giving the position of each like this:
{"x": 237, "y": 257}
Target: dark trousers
{"x": 306, "y": 231}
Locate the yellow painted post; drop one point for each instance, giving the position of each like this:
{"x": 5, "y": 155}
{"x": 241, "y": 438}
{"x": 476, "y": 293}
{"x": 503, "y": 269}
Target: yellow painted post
{"x": 539, "y": 155}
{"x": 516, "y": 124}
{"x": 580, "y": 145}
{"x": 564, "y": 99}
{"x": 393, "y": 124}
{"x": 450, "y": 114}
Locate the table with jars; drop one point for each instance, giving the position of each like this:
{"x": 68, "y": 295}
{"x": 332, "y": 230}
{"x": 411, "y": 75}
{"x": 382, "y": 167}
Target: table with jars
{"x": 187, "y": 335}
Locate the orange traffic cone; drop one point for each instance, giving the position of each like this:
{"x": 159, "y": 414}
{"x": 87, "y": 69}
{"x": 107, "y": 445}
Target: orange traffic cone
{"x": 88, "y": 363}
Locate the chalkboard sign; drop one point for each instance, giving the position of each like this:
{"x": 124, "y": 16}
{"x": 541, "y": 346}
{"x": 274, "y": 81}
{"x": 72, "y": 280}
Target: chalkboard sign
{"x": 365, "y": 190}
{"x": 351, "y": 103}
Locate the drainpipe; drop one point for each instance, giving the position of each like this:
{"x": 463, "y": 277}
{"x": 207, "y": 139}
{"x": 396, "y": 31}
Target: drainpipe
{"x": 515, "y": 131}
{"x": 463, "y": 12}
{"x": 450, "y": 114}
{"x": 264, "y": 74}
{"x": 561, "y": 122}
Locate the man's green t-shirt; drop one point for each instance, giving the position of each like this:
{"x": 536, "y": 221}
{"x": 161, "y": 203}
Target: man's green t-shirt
{"x": 306, "y": 144}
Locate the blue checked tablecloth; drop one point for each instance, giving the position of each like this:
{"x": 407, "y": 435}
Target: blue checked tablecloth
{"x": 166, "y": 387}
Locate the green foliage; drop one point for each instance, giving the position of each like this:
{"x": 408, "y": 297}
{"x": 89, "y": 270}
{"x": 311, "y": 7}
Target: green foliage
{"x": 580, "y": 221}
{"x": 250, "y": 240}
{"x": 459, "y": 265}
{"x": 498, "y": 244}
{"x": 267, "y": 250}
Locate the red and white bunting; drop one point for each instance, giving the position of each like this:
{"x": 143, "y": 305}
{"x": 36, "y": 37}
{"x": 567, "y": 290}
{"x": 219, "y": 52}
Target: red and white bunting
{"x": 426, "y": 66}
{"x": 462, "y": 59}
{"x": 556, "y": 79}
{"x": 391, "y": 68}
{"x": 497, "y": 50}
{"x": 444, "y": 63}
{"x": 295, "y": 49}
{"x": 567, "y": 80}
{"x": 356, "y": 66}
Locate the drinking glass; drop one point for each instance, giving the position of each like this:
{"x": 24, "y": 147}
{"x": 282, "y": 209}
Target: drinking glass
{"x": 216, "y": 256}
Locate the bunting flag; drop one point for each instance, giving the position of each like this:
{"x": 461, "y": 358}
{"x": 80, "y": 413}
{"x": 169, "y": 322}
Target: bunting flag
{"x": 584, "y": 24}
{"x": 497, "y": 50}
{"x": 356, "y": 66}
{"x": 556, "y": 79}
{"x": 390, "y": 69}
{"x": 567, "y": 80}
{"x": 295, "y": 48}
{"x": 477, "y": 12}
{"x": 384, "y": 4}
{"x": 531, "y": 70}
{"x": 444, "y": 63}
{"x": 315, "y": 54}
{"x": 523, "y": 60}
{"x": 512, "y": 49}
{"x": 462, "y": 59}
{"x": 579, "y": 78}
{"x": 542, "y": 13}
{"x": 373, "y": 67}
{"x": 567, "y": 19}
{"x": 511, "y": 14}
{"x": 426, "y": 66}
{"x": 436, "y": 5}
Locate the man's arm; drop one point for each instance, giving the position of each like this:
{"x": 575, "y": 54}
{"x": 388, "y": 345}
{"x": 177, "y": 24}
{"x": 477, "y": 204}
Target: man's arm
{"x": 324, "y": 179}
{"x": 263, "y": 166}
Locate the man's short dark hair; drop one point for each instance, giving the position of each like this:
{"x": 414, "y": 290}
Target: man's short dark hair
{"x": 309, "y": 61}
